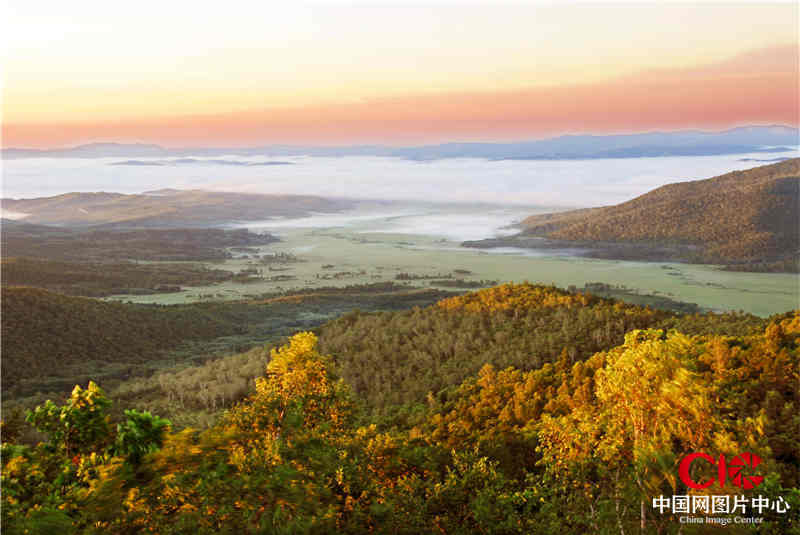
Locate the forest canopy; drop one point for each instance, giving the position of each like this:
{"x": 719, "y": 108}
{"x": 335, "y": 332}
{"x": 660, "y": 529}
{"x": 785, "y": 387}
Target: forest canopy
{"x": 580, "y": 440}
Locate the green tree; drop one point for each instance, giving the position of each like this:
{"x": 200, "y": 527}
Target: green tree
{"x": 141, "y": 433}
{"x": 79, "y": 426}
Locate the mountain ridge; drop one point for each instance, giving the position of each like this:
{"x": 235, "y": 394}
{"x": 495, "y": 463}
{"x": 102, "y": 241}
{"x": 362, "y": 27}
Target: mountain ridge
{"x": 767, "y": 138}
{"x": 170, "y": 208}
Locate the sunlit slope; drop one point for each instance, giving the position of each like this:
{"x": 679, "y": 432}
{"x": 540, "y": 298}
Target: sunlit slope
{"x": 393, "y": 358}
{"x": 567, "y": 448}
{"x": 744, "y": 216}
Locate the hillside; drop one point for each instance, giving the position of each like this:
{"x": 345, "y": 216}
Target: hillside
{"x": 46, "y": 335}
{"x": 52, "y": 341}
{"x": 577, "y": 444}
{"x": 392, "y": 353}
{"x": 173, "y": 208}
{"x": 394, "y": 360}
{"x": 744, "y": 217}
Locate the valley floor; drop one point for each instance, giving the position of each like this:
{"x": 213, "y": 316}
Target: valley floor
{"x": 347, "y": 255}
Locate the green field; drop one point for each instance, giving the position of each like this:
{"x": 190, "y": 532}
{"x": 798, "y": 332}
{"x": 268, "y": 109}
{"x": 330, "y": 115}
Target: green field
{"x": 354, "y": 257}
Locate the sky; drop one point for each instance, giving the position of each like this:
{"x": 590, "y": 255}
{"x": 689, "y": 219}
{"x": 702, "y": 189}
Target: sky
{"x": 251, "y": 73}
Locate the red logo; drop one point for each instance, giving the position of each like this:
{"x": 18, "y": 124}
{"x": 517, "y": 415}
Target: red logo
{"x": 725, "y": 470}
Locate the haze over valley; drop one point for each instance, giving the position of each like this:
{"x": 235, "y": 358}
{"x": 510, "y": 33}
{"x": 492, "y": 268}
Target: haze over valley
{"x": 481, "y": 173}
{"x": 372, "y": 218}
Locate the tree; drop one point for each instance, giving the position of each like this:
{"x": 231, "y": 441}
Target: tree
{"x": 79, "y": 426}
{"x": 649, "y": 408}
{"x": 141, "y": 433}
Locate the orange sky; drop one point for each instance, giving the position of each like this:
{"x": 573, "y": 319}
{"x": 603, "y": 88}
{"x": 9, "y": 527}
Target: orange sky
{"x": 569, "y": 74}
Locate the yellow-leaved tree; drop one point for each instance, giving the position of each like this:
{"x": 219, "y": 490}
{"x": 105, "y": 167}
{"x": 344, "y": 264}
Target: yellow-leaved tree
{"x": 649, "y": 409}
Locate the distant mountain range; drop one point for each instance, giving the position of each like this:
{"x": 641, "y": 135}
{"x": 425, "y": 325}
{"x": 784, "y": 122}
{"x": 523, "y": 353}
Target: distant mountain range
{"x": 748, "y": 139}
{"x": 746, "y": 219}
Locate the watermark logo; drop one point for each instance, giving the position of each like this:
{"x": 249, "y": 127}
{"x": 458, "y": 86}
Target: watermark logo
{"x": 724, "y": 504}
{"x": 694, "y": 508}
{"x": 732, "y": 471}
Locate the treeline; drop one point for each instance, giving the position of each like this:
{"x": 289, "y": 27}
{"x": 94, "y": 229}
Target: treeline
{"x": 463, "y": 283}
{"x": 170, "y": 245}
{"x": 91, "y": 279}
{"x": 633, "y": 296}
{"x": 568, "y": 447}
{"x": 97, "y": 263}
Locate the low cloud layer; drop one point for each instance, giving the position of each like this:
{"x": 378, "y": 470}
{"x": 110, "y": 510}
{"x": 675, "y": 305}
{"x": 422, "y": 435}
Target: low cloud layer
{"x": 510, "y": 182}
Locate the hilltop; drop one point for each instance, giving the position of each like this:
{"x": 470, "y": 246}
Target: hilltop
{"x": 746, "y": 219}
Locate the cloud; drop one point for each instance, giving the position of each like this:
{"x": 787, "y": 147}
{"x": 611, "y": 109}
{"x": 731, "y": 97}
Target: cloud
{"x": 756, "y": 87}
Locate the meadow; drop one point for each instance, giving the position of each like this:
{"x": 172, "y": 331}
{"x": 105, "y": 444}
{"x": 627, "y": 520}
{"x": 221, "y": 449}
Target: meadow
{"x": 347, "y": 255}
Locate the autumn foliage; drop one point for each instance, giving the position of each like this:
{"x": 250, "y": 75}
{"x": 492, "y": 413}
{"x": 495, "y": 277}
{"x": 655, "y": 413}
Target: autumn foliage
{"x": 743, "y": 217}
{"x": 574, "y": 445}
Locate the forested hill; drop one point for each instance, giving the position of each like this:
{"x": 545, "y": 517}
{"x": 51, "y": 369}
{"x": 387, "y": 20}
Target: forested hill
{"x": 572, "y": 420}
{"x": 45, "y": 334}
{"x": 393, "y": 360}
{"x": 741, "y": 217}
{"x": 52, "y": 341}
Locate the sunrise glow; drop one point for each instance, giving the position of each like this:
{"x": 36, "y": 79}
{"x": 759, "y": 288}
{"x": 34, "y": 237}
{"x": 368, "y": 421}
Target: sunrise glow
{"x": 337, "y": 74}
